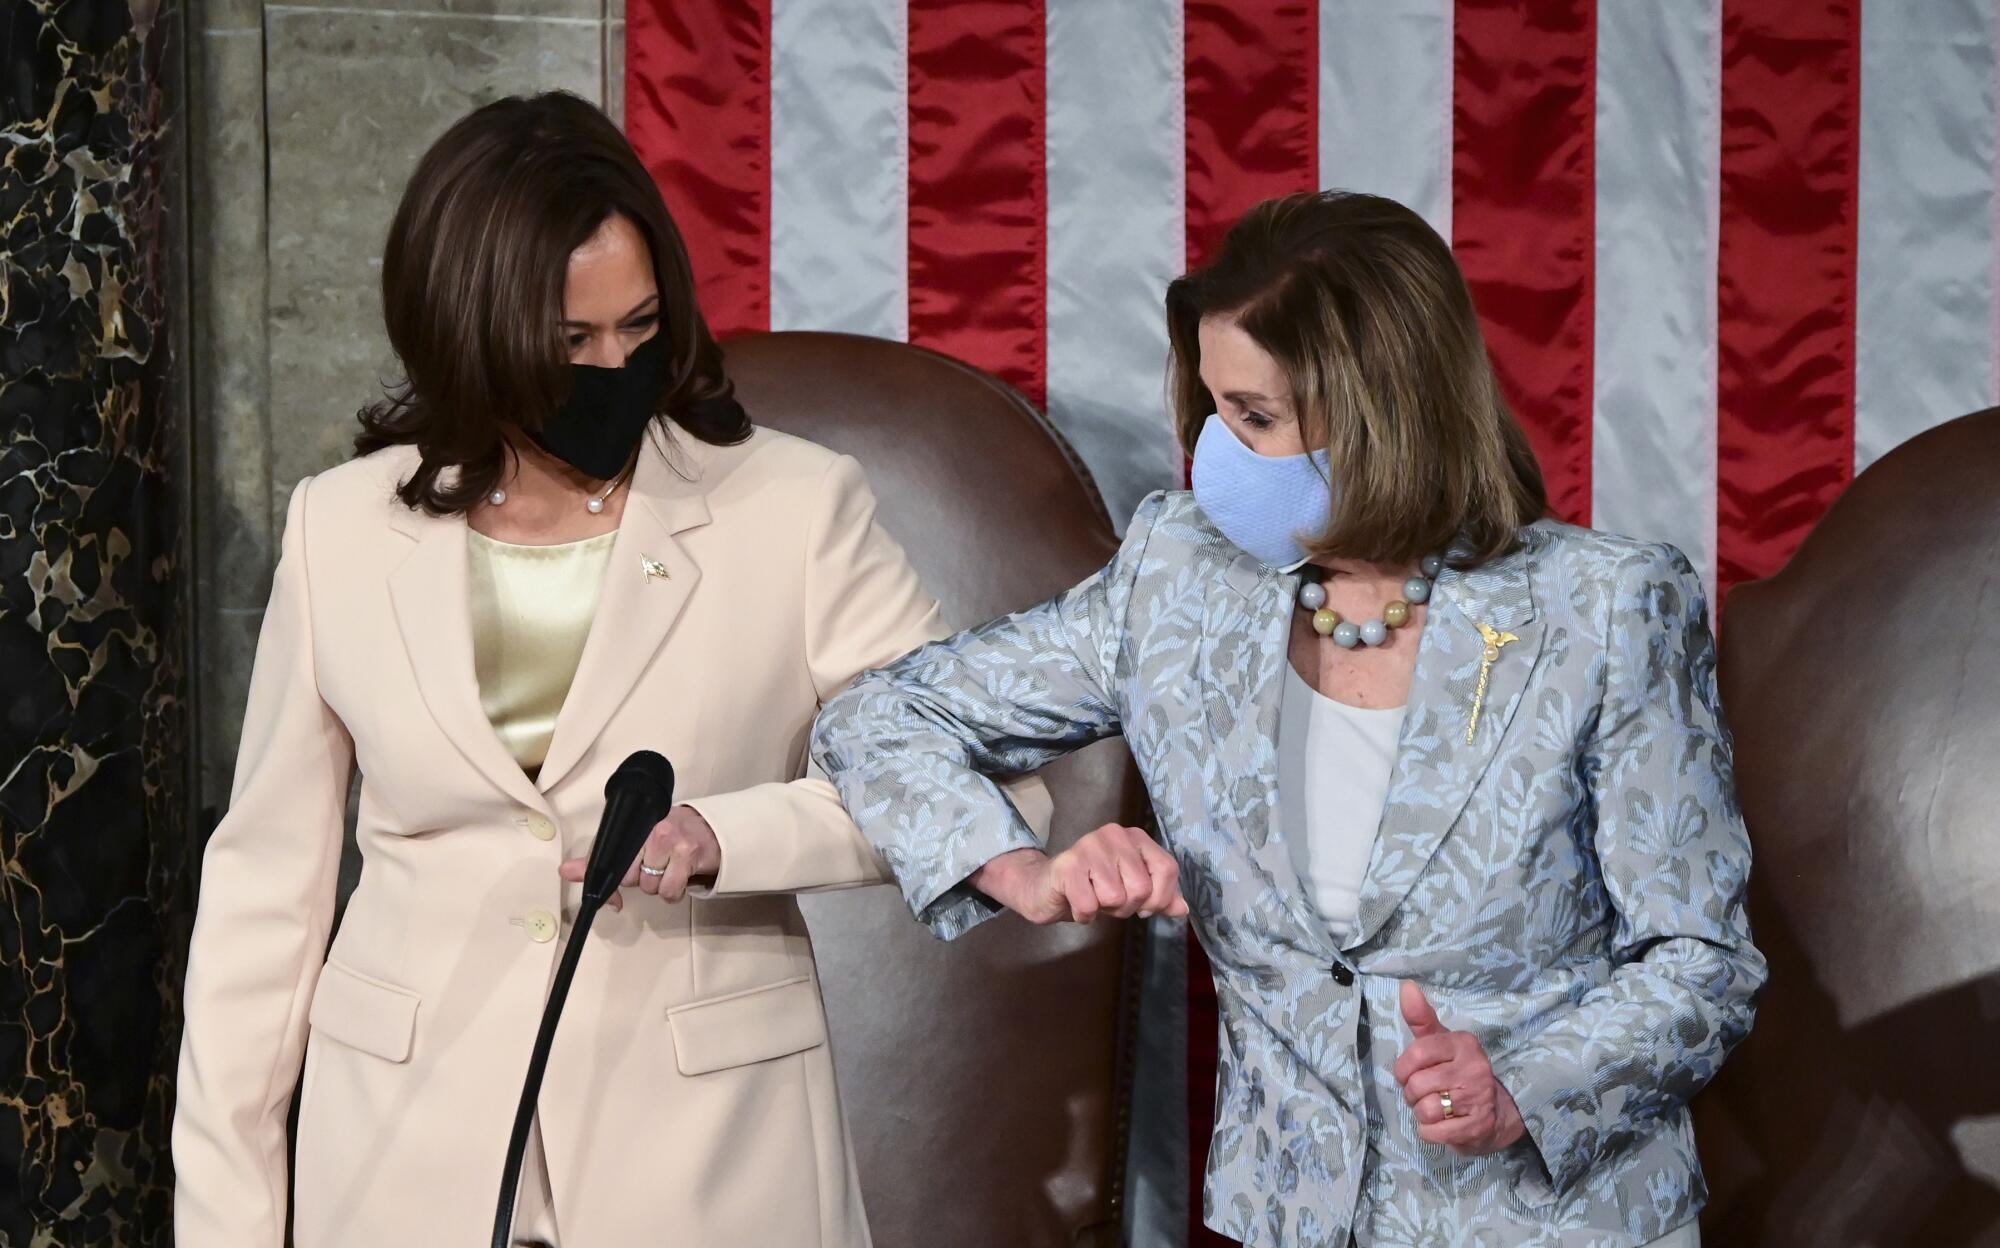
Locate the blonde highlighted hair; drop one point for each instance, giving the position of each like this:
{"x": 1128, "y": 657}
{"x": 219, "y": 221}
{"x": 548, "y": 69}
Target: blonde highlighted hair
{"x": 1365, "y": 310}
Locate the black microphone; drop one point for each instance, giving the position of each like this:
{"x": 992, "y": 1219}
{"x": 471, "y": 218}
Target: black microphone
{"x": 638, "y": 795}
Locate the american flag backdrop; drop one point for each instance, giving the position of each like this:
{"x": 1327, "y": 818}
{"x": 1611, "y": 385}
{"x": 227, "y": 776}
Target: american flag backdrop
{"x": 1727, "y": 252}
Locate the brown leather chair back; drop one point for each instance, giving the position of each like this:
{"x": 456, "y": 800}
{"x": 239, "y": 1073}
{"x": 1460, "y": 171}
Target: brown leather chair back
{"x": 986, "y": 1079}
{"x": 1863, "y": 687}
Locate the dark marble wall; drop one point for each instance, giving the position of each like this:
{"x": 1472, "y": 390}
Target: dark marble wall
{"x": 94, "y": 723}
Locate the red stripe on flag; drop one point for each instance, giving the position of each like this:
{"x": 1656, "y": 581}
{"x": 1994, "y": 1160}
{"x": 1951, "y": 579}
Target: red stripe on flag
{"x": 1252, "y": 98}
{"x": 978, "y": 186}
{"x": 1791, "y": 108}
{"x": 698, "y": 109}
{"x": 1524, "y": 197}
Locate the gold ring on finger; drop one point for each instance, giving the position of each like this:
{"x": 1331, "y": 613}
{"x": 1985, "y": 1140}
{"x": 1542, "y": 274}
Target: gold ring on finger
{"x": 1444, "y": 1099}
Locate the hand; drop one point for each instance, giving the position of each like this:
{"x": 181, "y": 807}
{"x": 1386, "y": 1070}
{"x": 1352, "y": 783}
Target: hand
{"x": 1484, "y": 1118}
{"x": 1115, "y": 870}
{"x": 682, "y": 843}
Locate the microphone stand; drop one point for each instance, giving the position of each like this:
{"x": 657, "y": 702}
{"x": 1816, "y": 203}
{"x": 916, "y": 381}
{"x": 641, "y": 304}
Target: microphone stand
{"x": 531, "y": 1090}
{"x": 639, "y": 795}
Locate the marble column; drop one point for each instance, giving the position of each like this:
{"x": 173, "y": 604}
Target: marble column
{"x": 94, "y": 719}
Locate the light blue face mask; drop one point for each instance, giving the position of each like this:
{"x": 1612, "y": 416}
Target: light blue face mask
{"x": 1263, "y": 503}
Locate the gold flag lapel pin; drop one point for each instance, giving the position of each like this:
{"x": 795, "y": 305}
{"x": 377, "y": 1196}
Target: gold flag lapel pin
{"x": 1494, "y": 640}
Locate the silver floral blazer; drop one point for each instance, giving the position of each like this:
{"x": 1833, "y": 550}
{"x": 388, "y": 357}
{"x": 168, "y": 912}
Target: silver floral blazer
{"x": 1566, "y": 881}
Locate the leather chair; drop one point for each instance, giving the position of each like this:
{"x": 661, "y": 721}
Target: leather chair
{"x": 1863, "y": 686}
{"x": 986, "y": 1080}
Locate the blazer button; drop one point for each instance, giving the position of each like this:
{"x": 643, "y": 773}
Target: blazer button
{"x": 1341, "y": 975}
{"x": 541, "y": 827}
{"x": 541, "y": 927}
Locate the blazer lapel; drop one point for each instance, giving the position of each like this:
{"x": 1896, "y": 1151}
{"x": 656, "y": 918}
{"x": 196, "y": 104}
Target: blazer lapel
{"x": 646, "y": 585}
{"x": 1436, "y": 766}
{"x": 431, "y": 598}
{"x": 1244, "y": 650}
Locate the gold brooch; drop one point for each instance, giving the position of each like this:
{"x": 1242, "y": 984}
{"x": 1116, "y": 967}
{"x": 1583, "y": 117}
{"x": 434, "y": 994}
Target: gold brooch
{"x": 1494, "y": 640}
{"x": 653, "y": 567}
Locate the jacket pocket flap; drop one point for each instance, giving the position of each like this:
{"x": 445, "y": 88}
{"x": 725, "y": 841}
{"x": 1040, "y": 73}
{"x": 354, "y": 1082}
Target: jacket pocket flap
{"x": 745, "y": 1027}
{"x": 364, "y": 1013}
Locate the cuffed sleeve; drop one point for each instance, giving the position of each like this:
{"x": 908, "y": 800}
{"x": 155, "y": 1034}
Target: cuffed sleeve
{"x": 1675, "y": 860}
{"x": 913, "y": 748}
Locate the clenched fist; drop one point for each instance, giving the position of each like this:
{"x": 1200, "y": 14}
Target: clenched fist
{"x": 1115, "y": 870}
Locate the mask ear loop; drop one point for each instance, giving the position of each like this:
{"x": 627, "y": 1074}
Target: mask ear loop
{"x": 1322, "y": 462}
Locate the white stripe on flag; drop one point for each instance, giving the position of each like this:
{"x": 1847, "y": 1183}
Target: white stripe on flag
{"x": 1115, "y": 236}
{"x": 1924, "y": 306}
{"x": 840, "y": 166}
{"x": 1385, "y": 75}
{"x": 1659, "y": 117}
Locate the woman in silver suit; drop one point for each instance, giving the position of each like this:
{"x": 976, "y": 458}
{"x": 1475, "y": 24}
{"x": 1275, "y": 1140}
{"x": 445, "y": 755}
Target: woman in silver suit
{"x": 1444, "y": 783}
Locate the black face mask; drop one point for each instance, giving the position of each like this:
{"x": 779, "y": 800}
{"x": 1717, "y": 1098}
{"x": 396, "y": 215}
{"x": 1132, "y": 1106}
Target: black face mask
{"x": 598, "y": 427}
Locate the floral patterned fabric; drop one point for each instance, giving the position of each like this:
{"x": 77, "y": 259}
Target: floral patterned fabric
{"x": 1568, "y": 883}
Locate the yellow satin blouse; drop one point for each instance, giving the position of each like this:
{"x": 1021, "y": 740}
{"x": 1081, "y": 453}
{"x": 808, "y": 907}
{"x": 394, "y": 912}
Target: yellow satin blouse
{"x": 531, "y": 613}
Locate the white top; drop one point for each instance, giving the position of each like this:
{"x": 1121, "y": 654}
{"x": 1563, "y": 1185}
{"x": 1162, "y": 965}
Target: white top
{"x": 1334, "y": 762}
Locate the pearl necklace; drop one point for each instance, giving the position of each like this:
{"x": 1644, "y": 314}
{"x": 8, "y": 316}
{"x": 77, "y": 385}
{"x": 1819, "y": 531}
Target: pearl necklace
{"x": 595, "y": 504}
{"x": 1327, "y": 622}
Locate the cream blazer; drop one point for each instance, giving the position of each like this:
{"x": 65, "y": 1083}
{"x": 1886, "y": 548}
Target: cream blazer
{"x": 690, "y": 1097}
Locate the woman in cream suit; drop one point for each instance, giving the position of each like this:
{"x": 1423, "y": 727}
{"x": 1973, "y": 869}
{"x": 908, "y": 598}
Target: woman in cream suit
{"x": 565, "y": 544}
{"x": 1445, "y": 783}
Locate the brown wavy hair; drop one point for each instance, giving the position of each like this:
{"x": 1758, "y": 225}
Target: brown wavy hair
{"x": 1364, "y": 308}
{"x": 472, "y": 292}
